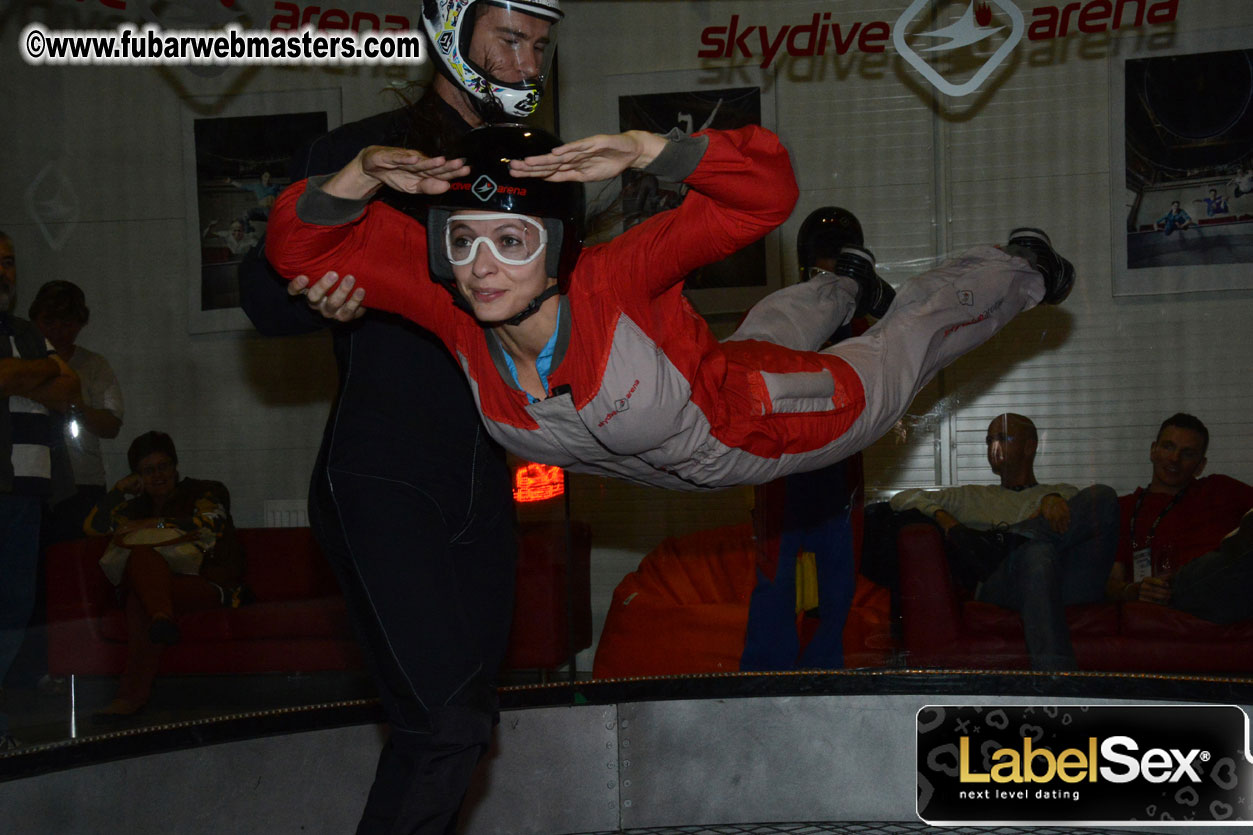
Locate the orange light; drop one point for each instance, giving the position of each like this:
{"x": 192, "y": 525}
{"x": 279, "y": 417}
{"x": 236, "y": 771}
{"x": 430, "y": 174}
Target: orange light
{"x": 537, "y": 483}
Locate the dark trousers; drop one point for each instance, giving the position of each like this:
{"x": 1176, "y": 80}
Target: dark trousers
{"x": 1215, "y": 586}
{"x": 19, "y": 556}
{"x": 64, "y": 521}
{"x": 1051, "y": 571}
{"x": 815, "y": 517}
{"x": 428, "y": 579}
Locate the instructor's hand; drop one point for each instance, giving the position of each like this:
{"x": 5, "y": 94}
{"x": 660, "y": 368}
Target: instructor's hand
{"x": 600, "y": 157}
{"x": 329, "y": 296}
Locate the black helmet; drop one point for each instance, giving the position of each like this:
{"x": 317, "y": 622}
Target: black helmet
{"x": 490, "y": 187}
{"x": 822, "y": 235}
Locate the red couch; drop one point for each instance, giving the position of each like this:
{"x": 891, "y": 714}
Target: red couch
{"x": 943, "y": 628}
{"x": 298, "y": 622}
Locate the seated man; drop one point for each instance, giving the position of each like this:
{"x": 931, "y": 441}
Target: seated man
{"x": 1046, "y": 546}
{"x": 1172, "y": 549}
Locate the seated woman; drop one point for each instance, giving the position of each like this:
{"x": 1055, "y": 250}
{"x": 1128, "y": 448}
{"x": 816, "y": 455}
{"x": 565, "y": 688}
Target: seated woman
{"x": 591, "y": 359}
{"x": 174, "y": 551}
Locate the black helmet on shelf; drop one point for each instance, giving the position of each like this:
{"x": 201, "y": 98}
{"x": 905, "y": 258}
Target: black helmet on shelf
{"x": 490, "y": 187}
{"x": 823, "y": 233}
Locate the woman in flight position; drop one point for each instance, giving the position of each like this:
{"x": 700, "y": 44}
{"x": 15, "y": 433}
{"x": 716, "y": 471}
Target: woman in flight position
{"x": 591, "y": 359}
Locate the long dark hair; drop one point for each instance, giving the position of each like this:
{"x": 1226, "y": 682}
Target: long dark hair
{"x": 429, "y": 125}
{"x": 433, "y": 124}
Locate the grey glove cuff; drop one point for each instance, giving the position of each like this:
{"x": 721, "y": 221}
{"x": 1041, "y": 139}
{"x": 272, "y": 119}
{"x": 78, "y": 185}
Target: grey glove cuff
{"x": 680, "y": 156}
{"x": 317, "y": 207}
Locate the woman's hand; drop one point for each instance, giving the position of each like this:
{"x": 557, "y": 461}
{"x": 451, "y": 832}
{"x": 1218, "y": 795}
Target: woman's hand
{"x": 398, "y": 168}
{"x": 329, "y": 296}
{"x": 411, "y": 171}
{"x": 600, "y": 157}
{"x": 131, "y": 484}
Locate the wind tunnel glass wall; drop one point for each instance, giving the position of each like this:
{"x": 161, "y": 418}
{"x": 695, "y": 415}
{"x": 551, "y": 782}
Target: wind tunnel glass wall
{"x": 1122, "y": 130}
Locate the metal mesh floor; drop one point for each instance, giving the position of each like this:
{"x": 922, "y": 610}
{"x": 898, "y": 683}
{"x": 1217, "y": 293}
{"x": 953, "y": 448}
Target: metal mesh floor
{"x": 860, "y": 828}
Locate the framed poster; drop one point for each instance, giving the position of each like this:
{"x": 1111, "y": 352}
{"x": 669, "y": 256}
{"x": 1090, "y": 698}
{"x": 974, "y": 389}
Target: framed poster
{"x": 688, "y": 102}
{"x": 238, "y": 162}
{"x": 1182, "y": 212}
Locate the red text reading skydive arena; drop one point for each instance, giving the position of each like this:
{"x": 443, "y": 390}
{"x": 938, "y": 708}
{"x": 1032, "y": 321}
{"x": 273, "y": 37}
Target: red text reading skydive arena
{"x": 821, "y": 34}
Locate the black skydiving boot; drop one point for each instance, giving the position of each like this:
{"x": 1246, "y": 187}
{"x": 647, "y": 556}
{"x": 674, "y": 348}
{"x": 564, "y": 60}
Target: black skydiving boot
{"x": 1034, "y": 247}
{"x": 874, "y": 295}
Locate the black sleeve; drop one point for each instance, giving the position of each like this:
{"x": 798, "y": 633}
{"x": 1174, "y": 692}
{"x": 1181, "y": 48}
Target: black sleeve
{"x": 263, "y": 296}
{"x": 262, "y": 291}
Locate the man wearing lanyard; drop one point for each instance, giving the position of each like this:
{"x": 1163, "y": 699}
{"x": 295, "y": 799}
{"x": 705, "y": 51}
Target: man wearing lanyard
{"x": 1177, "y": 546}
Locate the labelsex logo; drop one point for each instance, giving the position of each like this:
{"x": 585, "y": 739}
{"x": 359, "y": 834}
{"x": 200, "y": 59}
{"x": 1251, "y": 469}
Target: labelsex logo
{"x": 975, "y": 25}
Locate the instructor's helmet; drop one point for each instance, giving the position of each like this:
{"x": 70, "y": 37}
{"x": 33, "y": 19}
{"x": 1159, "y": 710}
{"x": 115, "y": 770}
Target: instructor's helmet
{"x": 508, "y": 63}
{"x": 490, "y": 188}
{"x": 823, "y": 233}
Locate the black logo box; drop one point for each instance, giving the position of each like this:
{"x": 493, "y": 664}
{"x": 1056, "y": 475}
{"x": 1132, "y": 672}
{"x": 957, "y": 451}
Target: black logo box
{"x": 1210, "y": 742}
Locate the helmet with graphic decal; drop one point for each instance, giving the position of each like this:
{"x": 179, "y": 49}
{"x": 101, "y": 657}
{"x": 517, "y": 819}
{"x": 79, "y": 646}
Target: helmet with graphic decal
{"x": 490, "y": 189}
{"x": 498, "y": 51}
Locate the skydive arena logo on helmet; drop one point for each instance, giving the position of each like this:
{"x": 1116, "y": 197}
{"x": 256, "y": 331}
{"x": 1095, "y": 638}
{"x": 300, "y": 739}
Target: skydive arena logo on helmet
{"x": 484, "y": 187}
{"x": 976, "y": 25}
{"x": 1109, "y": 765}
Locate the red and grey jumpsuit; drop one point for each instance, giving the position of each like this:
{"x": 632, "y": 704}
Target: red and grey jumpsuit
{"x": 640, "y": 388}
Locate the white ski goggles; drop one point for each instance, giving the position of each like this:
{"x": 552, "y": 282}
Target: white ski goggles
{"x": 506, "y": 244}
